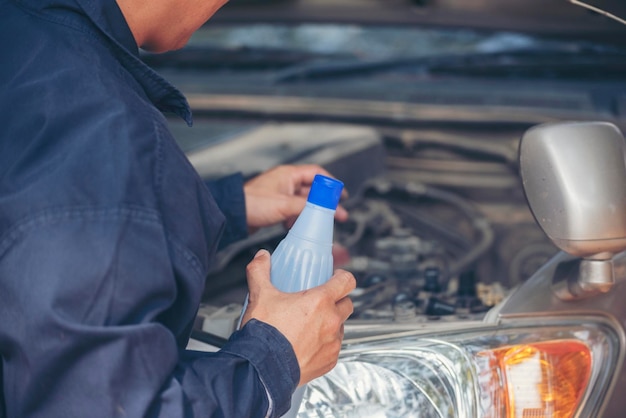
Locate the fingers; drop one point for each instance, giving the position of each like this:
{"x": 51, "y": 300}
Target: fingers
{"x": 321, "y": 170}
{"x": 303, "y": 190}
{"x": 304, "y": 174}
{"x": 303, "y": 178}
{"x": 294, "y": 205}
{"x": 341, "y": 214}
{"x": 339, "y": 285}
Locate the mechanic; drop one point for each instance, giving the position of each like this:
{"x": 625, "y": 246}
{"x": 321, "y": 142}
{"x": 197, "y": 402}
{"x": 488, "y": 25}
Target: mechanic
{"x": 107, "y": 232}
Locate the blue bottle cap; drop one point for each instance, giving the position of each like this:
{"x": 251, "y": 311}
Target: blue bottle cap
{"x": 325, "y": 192}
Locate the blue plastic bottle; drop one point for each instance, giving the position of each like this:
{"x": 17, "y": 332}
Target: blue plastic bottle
{"x": 303, "y": 259}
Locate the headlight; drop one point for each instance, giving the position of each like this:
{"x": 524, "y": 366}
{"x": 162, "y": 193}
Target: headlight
{"x": 557, "y": 367}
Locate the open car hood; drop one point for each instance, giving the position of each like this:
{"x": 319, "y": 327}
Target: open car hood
{"x": 546, "y": 17}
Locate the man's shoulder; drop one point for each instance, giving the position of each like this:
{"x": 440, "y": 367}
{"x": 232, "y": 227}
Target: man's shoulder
{"x": 60, "y": 56}
{"x": 76, "y": 131}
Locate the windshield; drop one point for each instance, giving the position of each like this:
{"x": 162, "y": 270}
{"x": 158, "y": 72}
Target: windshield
{"x": 326, "y": 51}
{"x": 369, "y": 42}
{"x": 364, "y": 42}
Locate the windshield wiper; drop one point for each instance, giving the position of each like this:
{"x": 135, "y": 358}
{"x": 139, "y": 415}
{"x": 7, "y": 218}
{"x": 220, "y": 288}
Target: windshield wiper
{"x": 206, "y": 57}
{"x": 545, "y": 63}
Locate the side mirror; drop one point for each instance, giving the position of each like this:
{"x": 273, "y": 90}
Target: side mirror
{"x": 574, "y": 176}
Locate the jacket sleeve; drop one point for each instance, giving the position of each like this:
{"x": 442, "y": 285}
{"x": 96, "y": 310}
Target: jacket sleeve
{"x": 228, "y": 194}
{"x": 88, "y": 328}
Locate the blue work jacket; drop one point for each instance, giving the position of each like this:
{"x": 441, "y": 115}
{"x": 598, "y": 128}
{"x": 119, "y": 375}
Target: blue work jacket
{"x": 107, "y": 234}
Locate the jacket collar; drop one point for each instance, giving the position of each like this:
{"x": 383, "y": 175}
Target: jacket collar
{"x": 109, "y": 20}
{"x": 107, "y": 16}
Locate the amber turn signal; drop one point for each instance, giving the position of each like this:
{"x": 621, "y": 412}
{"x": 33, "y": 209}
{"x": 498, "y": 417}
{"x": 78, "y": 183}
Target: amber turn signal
{"x": 540, "y": 380}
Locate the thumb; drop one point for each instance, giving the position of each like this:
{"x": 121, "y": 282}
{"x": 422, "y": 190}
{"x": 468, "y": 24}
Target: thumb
{"x": 258, "y": 274}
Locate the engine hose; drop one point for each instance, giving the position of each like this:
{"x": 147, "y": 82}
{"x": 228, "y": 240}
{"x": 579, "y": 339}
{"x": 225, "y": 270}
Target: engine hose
{"x": 478, "y": 221}
{"x": 482, "y": 246}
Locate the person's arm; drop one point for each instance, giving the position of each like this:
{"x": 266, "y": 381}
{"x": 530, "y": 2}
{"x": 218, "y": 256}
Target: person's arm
{"x": 259, "y": 351}
{"x": 92, "y": 326}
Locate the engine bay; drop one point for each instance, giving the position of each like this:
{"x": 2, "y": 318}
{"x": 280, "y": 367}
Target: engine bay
{"x": 439, "y": 229}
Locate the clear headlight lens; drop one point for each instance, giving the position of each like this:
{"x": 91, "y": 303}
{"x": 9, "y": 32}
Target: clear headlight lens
{"x": 544, "y": 368}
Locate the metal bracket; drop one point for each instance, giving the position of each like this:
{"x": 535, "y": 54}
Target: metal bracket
{"x": 583, "y": 278}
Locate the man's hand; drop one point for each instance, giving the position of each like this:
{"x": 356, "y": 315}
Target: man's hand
{"x": 279, "y": 195}
{"x": 311, "y": 320}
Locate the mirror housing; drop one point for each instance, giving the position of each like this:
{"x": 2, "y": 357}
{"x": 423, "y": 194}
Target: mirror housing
{"x": 574, "y": 177}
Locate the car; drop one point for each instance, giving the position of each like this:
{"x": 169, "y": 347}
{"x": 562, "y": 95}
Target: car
{"x": 481, "y": 145}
